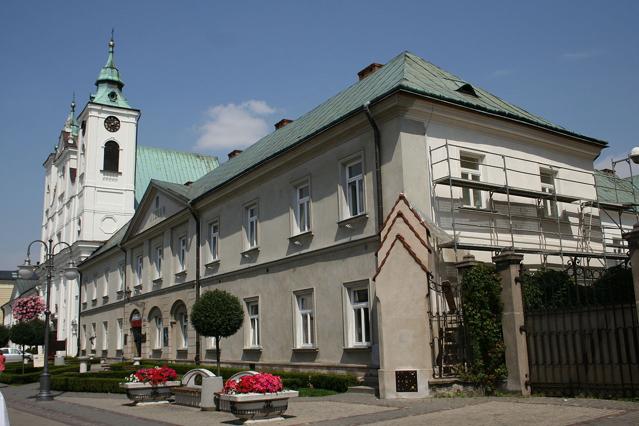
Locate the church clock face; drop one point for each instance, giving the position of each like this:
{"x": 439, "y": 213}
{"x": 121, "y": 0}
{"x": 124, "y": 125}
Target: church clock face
{"x": 112, "y": 124}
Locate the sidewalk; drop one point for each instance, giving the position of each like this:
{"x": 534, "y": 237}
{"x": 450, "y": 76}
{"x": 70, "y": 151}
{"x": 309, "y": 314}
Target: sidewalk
{"x": 344, "y": 409}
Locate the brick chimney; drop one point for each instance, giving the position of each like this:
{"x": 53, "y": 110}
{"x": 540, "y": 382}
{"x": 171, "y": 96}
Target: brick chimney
{"x": 283, "y": 122}
{"x": 234, "y": 153}
{"x": 369, "y": 70}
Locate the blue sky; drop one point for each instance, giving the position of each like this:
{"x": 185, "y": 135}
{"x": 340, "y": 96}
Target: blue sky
{"x": 196, "y": 69}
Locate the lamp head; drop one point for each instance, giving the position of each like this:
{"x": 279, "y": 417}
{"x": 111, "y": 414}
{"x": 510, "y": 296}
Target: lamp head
{"x": 27, "y": 270}
{"x": 634, "y": 155}
{"x": 71, "y": 272}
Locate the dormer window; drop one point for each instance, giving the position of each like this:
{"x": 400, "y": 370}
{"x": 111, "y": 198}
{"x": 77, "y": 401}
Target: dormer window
{"x": 467, "y": 89}
{"x": 111, "y": 157}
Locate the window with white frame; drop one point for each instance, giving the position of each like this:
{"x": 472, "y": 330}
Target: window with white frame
{"x": 105, "y": 287}
{"x": 359, "y": 330}
{"x": 158, "y": 330}
{"x": 251, "y": 225}
{"x": 84, "y": 337}
{"x": 105, "y": 335}
{"x": 302, "y": 208}
{"x": 183, "y": 328}
{"x": 119, "y": 332}
{"x": 470, "y": 170}
{"x": 84, "y": 293}
{"x": 138, "y": 270}
{"x": 93, "y": 334}
{"x": 253, "y": 311}
{"x": 182, "y": 253}
{"x": 547, "y": 178}
{"x": 305, "y": 320}
{"x": 94, "y": 288}
{"x": 354, "y": 187}
{"x": 121, "y": 277}
{"x": 214, "y": 240}
{"x": 210, "y": 343}
{"x": 158, "y": 256}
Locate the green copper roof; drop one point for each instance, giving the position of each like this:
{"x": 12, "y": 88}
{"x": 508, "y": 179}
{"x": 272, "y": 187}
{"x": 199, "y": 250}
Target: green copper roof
{"x": 71, "y": 124}
{"x": 613, "y": 189}
{"x": 109, "y": 84}
{"x": 404, "y": 72}
{"x": 169, "y": 166}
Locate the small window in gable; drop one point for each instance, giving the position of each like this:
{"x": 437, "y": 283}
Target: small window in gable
{"x": 111, "y": 157}
{"x": 467, "y": 89}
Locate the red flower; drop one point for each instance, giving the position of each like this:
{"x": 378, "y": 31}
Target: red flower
{"x": 155, "y": 376}
{"x": 258, "y": 383}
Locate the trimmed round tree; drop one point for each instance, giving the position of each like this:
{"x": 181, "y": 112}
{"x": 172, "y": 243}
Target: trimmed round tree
{"x": 217, "y": 314}
{"x": 4, "y": 335}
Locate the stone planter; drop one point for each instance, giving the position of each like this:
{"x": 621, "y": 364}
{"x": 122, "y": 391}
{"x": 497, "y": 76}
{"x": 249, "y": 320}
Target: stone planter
{"x": 146, "y": 392}
{"x": 256, "y": 406}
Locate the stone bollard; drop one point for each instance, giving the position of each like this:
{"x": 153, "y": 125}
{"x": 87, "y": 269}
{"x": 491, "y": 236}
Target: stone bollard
{"x": 136, "y": 360}
{"x": 58, "y": 360}
{"x": 84, "y": 364}
{"x": 210, "y": 385}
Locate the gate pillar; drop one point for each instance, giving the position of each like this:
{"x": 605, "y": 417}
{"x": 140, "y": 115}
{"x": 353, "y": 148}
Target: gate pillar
{"x": 508, "y": 267}
{"x": 633, "y": 243}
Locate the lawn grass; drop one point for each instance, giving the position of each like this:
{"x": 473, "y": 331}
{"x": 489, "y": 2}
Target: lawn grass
{"x": 310, "y": 392}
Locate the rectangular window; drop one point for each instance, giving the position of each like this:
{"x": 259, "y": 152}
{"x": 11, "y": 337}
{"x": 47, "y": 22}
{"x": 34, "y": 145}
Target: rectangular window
{"x": 158, "y": 257}
{"x": 158, "y": 332}
{"x": 84, "y": 337}
{"x": 359, "y": 317}
{"x": 354, "y": 187}
{"x": 253, "y": 311}
{"x": 121, "y": 277}
{"x": 105, "y": 335}
{"x": 305, "y": 321}
{"x": 184, "y": 327}
{"x": 93, "y": 334}
{"x": 214, "y": 240}
{"x": 470, "y": 170}
{"x": 251, "y": 226}
{"x": 182, "y": 254}
{"x": 119, "y": 334}
{"x": 105, "y": 287}
{"x": 94, "y": 288}
{"x": 547, "y": 178}
{"x": 303, "y": 208}
{"x": 138, "y": 270}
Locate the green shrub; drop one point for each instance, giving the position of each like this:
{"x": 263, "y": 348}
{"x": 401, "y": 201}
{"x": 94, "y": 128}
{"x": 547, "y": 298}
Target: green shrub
{"x": 79, "y": 383}
{"x": 13, "y": 376}
{"x": 486, "y": 366}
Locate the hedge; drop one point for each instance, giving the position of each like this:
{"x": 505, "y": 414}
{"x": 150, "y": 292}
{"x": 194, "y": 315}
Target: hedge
{"x": 107, "y": 381}
{"x": 80, "y": 384}
{"x": 33, "y": 375}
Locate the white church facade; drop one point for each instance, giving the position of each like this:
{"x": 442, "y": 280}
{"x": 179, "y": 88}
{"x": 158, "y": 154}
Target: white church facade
{"x": 92, "y": 179}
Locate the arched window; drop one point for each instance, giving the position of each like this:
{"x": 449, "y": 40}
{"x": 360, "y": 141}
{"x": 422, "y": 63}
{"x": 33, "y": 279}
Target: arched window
{"x": 111, "y": 157}
{"x": 157, "y": 328}
{"x": 181, "y": 319}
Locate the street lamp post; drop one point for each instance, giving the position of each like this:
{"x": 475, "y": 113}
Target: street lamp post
{"x": 27, "y": 271}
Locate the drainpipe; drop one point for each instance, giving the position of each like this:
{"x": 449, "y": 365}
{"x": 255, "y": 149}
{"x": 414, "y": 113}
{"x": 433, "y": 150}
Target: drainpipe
{"x": 378, "y": 168}
{"x": 197, "y": 275}
{"x": 125, "y": 298}
{"x": 79, "y": 308}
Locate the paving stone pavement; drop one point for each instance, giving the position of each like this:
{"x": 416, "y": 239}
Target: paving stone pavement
{"x": 72, "y": 408}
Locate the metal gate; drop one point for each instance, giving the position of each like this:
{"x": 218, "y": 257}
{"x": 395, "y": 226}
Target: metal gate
{"x": 447, "y": 329}
{"x": 582, "y": 330}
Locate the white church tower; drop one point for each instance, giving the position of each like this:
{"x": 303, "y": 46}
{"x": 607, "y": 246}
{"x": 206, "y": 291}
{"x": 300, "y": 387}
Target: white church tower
{"x": 89, "y": 188}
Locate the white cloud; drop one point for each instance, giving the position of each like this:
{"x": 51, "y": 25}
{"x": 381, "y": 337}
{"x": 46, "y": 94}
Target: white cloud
{"x": 232, "y": 126}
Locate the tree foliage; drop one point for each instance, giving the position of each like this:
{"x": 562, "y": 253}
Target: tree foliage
{"x": 5, "y": 334}
{"x": 217, "y": 314}
{"x": 481, "y": 289}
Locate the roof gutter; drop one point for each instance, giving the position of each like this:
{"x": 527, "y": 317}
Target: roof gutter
{"x": 378, "y": 169}
{"x": 198, "y": 286}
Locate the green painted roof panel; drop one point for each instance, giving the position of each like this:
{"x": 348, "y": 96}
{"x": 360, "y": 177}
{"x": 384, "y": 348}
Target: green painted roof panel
{"x": 169, "y": 166}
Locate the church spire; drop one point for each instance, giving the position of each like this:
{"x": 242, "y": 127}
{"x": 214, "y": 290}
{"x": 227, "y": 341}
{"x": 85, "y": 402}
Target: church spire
{"x": 109, "y": 84}
{"x": 71, "y": 124}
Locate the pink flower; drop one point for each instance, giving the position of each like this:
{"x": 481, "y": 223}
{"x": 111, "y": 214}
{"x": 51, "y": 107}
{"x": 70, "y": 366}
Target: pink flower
{"x": 258, "y": 383}
{"x": 28, "y": 308}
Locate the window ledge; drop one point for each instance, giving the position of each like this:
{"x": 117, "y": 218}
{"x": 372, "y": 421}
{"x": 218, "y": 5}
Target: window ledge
{"x": 157, "y": 281}
{"x": 180, "y": 274}
{"x": 212, "y": 264}
{"x": 253, "y": 251}
{"x": 94, "y": 302}
{"x": 138, "y": 286}
{"x": 110, "y": 172}
{"x": 349, "y": 222}
{"x": 477, "y": 209}
{"x": 105, "y": 299}
{"x": 295, "y": 239}
{"x": 309, "y": 349}
{"x": 358, "y": 348}
{"x": 183, "y": 349}
{"x": 120, "y": 292}
{"x": 252, "y": 349}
